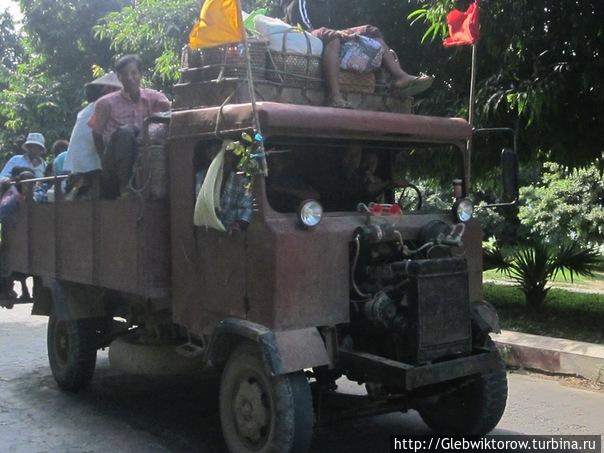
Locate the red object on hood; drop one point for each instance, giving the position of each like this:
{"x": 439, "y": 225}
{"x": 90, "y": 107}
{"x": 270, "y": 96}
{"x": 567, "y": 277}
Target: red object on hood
{"x": 383, "y": 209}
{"x": 463, "y": 26}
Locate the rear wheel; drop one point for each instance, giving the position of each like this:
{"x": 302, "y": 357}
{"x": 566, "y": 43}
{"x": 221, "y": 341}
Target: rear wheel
{"x": 474, "y": 409}
{"x": 72, "y": 351}
{"x": 260, "y": 413}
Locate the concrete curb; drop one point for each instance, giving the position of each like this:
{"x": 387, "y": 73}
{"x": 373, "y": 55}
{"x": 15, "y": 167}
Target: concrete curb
{"x": 552, "y": 355}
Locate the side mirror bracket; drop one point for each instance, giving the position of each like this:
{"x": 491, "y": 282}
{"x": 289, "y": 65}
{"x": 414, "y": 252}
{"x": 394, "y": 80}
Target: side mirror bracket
{"x": 509, "y": 168}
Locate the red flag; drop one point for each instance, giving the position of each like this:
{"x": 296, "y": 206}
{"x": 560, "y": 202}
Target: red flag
{"x": 463, "y": 26}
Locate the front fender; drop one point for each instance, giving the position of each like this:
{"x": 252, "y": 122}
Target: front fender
{"x": 282, "y": 352}
{"x": 484, "y": 319}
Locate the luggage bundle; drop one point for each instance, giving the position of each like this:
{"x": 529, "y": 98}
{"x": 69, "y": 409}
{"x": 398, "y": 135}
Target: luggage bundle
{"x": 286, "y": 67}
{"x": 228, "y": 61}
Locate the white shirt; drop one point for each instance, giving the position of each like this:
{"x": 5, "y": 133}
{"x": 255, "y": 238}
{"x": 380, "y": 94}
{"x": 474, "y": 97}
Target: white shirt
{"x": 21, "y": 160}
{"x": 82, "y": 155}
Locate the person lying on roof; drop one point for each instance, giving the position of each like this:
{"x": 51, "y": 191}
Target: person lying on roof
{"x": 359, "y": 48}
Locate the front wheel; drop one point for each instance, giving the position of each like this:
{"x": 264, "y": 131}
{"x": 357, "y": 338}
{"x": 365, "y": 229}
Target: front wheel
{"x": 473, "y": 409}
{"x": 260, "y": 413}
{"x": 72, "y": 351}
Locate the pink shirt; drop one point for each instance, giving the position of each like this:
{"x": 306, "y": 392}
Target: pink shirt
{"x": 117, "y": 109}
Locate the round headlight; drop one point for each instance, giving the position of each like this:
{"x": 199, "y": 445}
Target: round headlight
{"x": 463, "y": 210}
{"x": 310, "y": 213}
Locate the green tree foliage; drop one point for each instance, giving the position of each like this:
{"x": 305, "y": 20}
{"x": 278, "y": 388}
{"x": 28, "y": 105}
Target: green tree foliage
{"x": 565, "y": 205}
{"x": 540, "y": 68}
{"x": 62, "y": 31}
{"x": 156, "y": 29}
{"x": 32, "y": 101}
{"x": 11, "y": 54}
{"x": 53, "y": 60}
{"x": 11, "y": 50}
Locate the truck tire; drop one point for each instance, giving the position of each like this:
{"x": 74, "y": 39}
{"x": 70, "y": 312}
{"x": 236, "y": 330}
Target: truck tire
{"x": 474, "y": 409}
{"x": 72, "y": 351}
{"x": 260, "y": 413}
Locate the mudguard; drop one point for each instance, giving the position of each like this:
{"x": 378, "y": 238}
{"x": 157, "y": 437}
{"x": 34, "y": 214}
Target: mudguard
{"x": 484, "y": 319}
{"x": 282, "y": 352}
{"x": 74, "y": 301}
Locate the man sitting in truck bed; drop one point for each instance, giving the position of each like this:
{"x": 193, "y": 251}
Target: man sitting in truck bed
{"x": 117, "y": 122}
{"x": 82, "y": 158}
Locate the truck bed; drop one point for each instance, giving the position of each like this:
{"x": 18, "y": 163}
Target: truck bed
{"x": 121, "y": 244}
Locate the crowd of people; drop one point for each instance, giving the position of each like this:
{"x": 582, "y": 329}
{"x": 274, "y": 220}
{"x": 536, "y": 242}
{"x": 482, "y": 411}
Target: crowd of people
{"x": 102, "y": 149}
{"x": 99, "y": 155}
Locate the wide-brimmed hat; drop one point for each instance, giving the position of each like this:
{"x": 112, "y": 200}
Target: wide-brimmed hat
{"x": 34, "y": 138}
{"x": 109, "y": 79}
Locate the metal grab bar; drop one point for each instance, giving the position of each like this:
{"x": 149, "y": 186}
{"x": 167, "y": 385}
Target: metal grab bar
{"x": 44, "y": 179}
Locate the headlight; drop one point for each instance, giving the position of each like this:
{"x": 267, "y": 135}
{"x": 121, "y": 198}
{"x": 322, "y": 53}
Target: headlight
{"x": 310, "y": 213}
{"x": 463, "y": 210}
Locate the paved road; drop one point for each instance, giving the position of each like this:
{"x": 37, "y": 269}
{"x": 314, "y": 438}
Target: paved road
{"x": 126, "y": 414}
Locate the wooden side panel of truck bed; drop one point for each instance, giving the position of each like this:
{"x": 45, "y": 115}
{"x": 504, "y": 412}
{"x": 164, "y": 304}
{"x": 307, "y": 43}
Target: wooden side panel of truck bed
{"x": 121, "y": 245}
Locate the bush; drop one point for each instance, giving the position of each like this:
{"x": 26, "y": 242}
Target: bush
{"x": 565, "y": 206}
{"x": 533, "y": 266}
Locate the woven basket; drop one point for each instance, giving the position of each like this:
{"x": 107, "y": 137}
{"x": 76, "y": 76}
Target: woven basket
{"x": 357, "y": 82}
{"x": 294, "y": 69}
{"x": 226, "y": 61}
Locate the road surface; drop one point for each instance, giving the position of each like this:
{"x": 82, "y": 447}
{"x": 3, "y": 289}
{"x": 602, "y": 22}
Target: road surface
{"x": 127, "y": 414}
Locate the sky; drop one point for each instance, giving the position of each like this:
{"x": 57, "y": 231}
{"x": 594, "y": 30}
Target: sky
{"x": 12, "y": 6}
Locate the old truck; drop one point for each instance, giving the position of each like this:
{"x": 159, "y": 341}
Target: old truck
{"x": 383, "y": 289}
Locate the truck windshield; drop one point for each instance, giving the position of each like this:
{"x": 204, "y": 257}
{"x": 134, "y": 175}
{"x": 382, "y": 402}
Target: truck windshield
{"x": 342, "y": 176}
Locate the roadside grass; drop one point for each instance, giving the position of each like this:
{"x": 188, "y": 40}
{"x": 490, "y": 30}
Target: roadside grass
{"x": 596, "y": 280}
{"x": 570, "y": 315}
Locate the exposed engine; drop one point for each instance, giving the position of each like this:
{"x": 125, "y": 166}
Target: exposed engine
{"x": 409, "y": 298}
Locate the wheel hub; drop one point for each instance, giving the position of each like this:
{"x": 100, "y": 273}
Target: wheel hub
{"x": 252, "y": 414}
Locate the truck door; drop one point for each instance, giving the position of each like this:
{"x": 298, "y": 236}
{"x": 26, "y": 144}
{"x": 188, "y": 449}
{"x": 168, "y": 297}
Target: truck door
{"x": 208, "y": 266}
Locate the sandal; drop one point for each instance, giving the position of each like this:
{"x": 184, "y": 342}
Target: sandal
{"x": 417, "y": 85}
{"x": 339, "y": 104}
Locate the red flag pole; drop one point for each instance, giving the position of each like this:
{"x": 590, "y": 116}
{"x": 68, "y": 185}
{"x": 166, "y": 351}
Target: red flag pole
{"x": 472, "y": 86}
{"x": 471, "y": 107}
{"x": 463, "y": 30}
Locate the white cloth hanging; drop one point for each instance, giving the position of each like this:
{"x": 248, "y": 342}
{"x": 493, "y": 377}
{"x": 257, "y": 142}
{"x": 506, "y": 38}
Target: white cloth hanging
{"x": 208, "y": 198}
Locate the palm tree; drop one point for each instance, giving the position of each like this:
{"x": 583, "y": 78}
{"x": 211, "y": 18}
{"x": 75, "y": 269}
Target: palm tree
{"x": 533, "y": 266}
